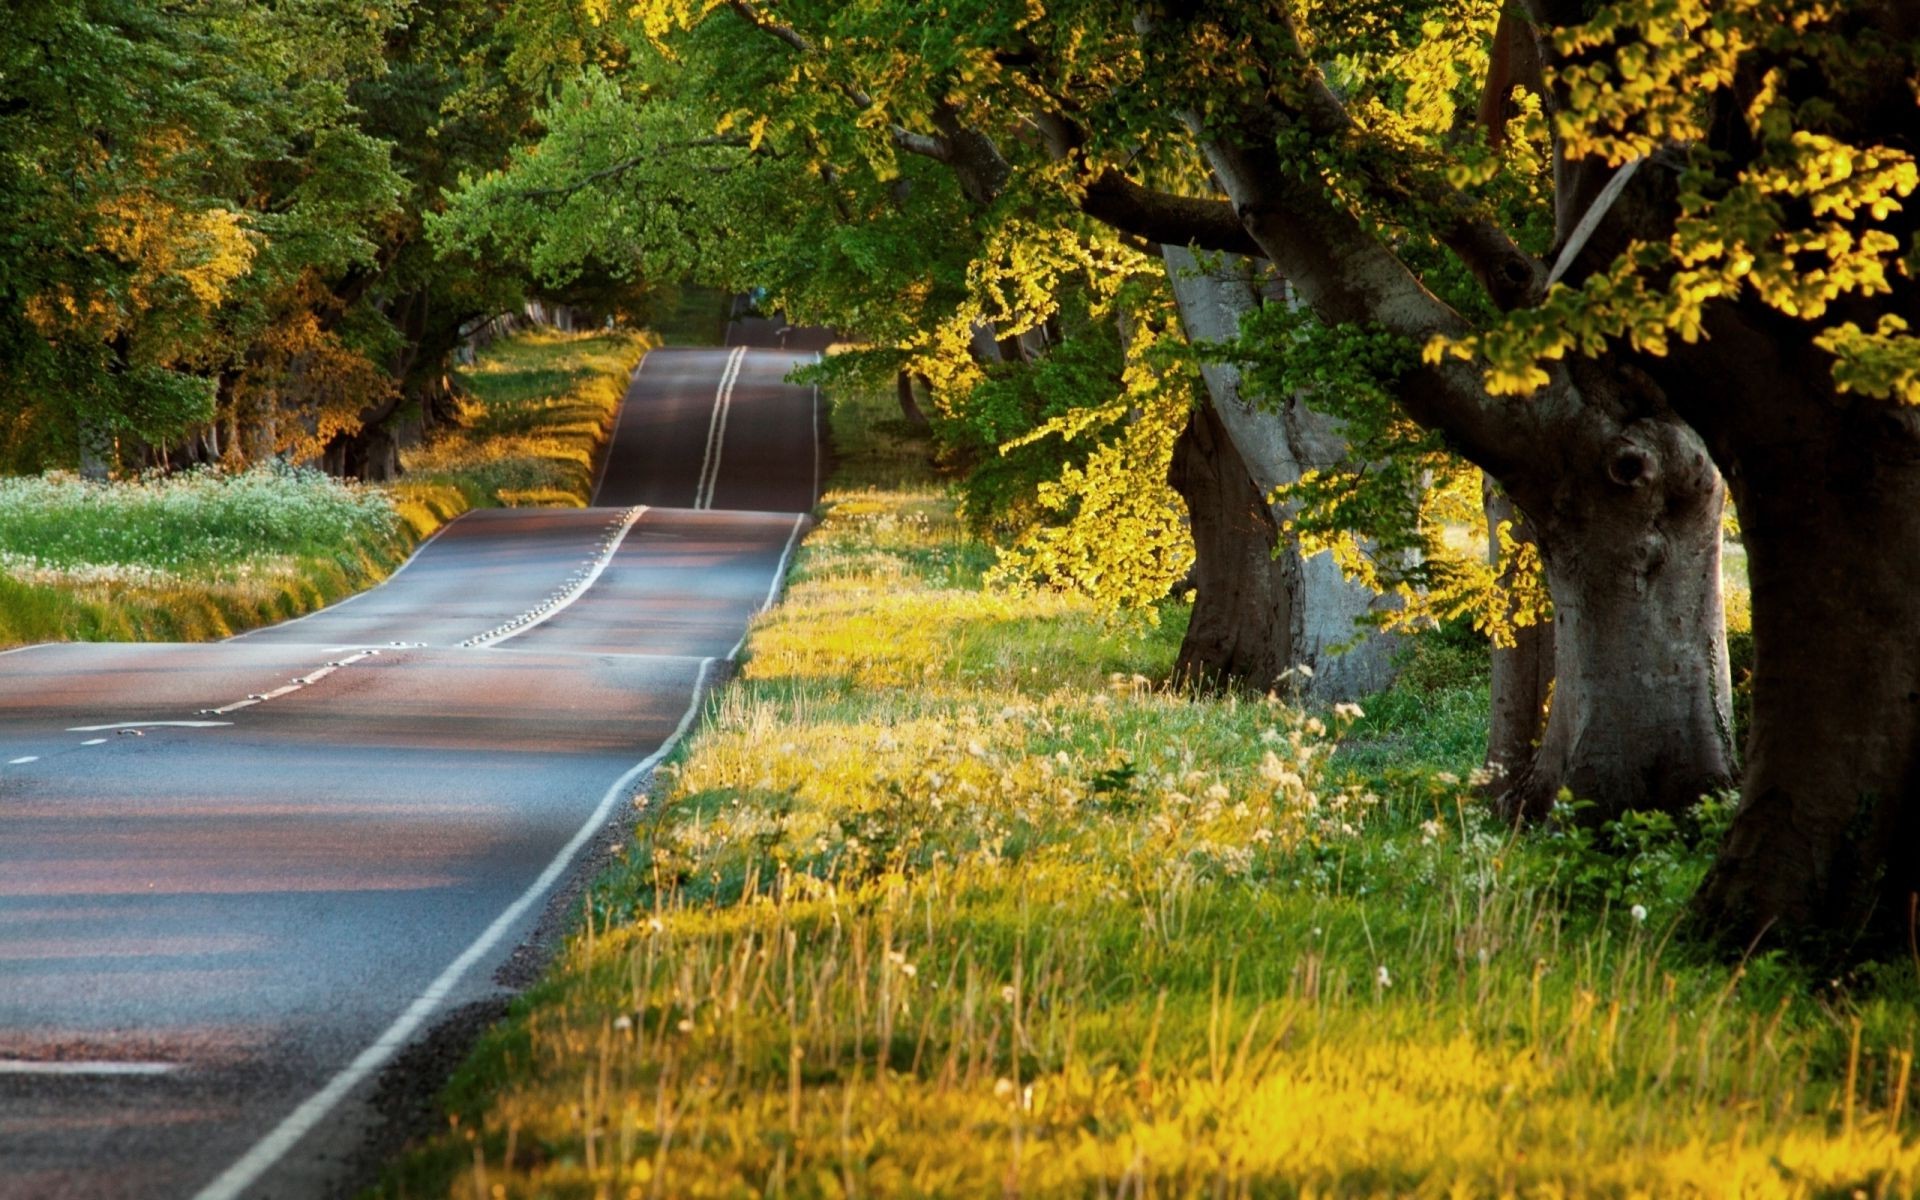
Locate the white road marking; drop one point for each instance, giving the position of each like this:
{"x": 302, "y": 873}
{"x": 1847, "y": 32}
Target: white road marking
{"x": 315, "y": 1108}
{"x": 94, "y": 742}
{"x": 717, "y": 430}
{"x": 533, "y": 617}
{"x": 25, "y": 1066}
{"x": 24, "y": 758}
{"x": 145, "y": 725}
{"x": 773, "y": 589}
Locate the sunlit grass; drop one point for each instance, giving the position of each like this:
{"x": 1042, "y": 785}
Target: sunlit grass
{"x": 947, "y": 899}
{"x": 205, "y": 555}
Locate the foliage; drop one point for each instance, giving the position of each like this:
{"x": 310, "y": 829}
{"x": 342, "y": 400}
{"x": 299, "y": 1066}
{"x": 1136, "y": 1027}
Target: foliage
{"x": 1797, "y": 219}
{"x": 212, "y": 213}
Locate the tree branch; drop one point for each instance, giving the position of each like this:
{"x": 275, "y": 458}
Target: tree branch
{"x": 1347, "y": 275}
{"x": 1116, "y": 201}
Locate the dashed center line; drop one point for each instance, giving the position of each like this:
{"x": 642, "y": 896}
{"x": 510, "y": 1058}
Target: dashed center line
{"x": 145, "y": 725}
{"x": 28, "y": 1066}
{"x": 559, "y": 600}
{"x": 24, "y": 758}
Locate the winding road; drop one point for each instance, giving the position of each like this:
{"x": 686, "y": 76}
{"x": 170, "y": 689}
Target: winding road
{"x": 238, "y": 879}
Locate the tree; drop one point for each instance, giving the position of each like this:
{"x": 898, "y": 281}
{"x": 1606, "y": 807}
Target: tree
{"x": 1753, "y": 253}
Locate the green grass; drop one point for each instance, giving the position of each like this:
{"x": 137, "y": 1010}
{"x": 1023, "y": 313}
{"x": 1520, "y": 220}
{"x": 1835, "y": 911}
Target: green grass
{"x": 946, "y": 899}
{"x": 205, "y": 555}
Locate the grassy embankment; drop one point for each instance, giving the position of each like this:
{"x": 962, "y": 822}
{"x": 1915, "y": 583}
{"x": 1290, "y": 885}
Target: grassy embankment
{"x": 944, "y": 900}
{"x": 204, "y": 555}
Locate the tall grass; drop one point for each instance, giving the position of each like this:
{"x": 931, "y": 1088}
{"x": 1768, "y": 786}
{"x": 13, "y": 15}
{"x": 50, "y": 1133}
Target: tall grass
{"x": 947, "y": 899}
{"x": 197, "y": 521}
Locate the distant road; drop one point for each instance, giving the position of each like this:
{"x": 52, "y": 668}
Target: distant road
{"x": 237, "y": 878}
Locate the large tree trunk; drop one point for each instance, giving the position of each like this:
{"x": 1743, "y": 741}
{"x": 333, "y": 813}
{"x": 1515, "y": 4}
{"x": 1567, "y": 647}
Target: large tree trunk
{"x": 1822, "y": 848}
{"x": 1627, "y": 512}
{"x": 1346, "y": 659}
{"x": 1244, "y": 617}
{"x": 1521, "y": 674}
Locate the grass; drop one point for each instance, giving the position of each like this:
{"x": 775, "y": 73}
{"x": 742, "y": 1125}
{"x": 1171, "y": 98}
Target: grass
{"x": 204, "y": 555}
{"x": 945, "y": 899}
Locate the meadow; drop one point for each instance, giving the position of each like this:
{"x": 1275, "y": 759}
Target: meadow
{"x": 948, "y": 898}
{"x": 205, "y": 554}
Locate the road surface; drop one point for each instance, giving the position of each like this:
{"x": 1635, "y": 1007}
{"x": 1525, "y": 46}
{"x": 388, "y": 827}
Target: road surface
{"x": 236, "y": 879}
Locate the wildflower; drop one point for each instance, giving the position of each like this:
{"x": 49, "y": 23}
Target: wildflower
{"x": 1639, "y": 914}
{"x": 1448, "y": 778}
{"x": 1003, "y": 1088}
{"x": 686, "y": 1023}
{"x": 1271, "y": 768}
{"x": 1218, "y": 793}
{"x": 1430, "y": 832}
{"x": 1385, "y": 979}
{"x": 656, "y": 925}
{"x": 623, "y": 1022}
{"x": 1007, "y": 993}
{"x": 1348, "y": 712}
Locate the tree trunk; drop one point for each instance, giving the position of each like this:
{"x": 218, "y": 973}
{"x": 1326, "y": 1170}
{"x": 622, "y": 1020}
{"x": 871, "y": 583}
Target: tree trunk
{"x": 1628, "y": 518}
{"x": 1821, "y": 852}
{"x": 1243, "y": 621}
{"x": 910, "y": 410}
{"x": 1522, "y": 674}
{"x": 1346, "y": 658}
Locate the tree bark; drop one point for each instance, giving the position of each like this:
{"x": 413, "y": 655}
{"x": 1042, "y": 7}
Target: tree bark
{"x": 1347, "y": 659}
{"x": 1821, "y": 851}
{"x": 1627, "y": 510}
{"x": 1521, "y": 674}
{"x": 1241, "y": 631}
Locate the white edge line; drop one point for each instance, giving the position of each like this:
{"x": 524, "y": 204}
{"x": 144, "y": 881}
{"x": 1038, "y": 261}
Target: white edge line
{"x": 613, "y": 435}
{"x": 25, "y": 1066}
{"x": 773, "y": 589}
{"x": 270, "y": 1149}
{"x": 606, "y": 559}
{"x": 346, "y": 600}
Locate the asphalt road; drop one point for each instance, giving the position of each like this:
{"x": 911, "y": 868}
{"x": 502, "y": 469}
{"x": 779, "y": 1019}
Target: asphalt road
{"x": 237, "y": 879}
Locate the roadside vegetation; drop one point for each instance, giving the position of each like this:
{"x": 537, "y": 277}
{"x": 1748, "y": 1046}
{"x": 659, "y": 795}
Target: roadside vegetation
{"x": 204, "y": 554}
{"x": 946, "y": 898}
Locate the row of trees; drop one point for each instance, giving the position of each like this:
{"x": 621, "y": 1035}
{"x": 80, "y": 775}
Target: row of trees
{"x": 1618, "y": 259}
{"x": 211, "y": 225}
